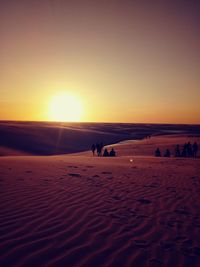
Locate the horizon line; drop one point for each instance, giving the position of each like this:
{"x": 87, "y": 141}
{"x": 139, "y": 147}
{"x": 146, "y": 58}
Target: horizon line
{"x": 95, "y": 122}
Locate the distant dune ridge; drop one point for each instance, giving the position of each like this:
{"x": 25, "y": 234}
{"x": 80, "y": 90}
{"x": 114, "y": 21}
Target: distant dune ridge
{"x": 46, "y": 138}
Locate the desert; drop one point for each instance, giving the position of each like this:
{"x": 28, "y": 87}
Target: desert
{"x": 83, "y": 210}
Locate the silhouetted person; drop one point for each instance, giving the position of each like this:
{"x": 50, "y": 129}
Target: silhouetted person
{"x": 184, "y": 152}
{"x": 167, "y": 153}
{"x": 112, "y": 153}
{"x": 157, "y": 152}
{"x": 195, "y": 149}
{"x": 177, "y": 151}
{"x": 93, "y": 148}
{"x": 98, "y": 149}
{"x": 189, "y": 150}
{"x": 105, "y": 153}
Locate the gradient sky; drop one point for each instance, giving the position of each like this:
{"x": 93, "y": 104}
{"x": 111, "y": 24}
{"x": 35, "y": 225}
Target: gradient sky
{"x": 127, "y": 61}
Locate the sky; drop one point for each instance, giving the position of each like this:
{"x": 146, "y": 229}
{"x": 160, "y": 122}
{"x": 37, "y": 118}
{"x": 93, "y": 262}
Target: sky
{"x": 123, "y": 60}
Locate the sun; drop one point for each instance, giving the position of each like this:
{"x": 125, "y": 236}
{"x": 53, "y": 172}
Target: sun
{"x": 65, "y": 107}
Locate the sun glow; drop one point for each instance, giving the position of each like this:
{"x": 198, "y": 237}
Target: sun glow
{"x": 65, "y": 108}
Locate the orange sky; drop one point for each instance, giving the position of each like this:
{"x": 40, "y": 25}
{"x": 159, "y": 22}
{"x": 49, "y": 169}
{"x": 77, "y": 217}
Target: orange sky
{"x": 125, "y": 61}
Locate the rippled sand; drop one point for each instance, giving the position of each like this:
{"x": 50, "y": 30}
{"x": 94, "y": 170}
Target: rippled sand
{"x": 88, "y": 211}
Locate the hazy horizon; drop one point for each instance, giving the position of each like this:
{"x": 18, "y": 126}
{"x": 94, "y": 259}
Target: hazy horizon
{"x": 97, "y": 122}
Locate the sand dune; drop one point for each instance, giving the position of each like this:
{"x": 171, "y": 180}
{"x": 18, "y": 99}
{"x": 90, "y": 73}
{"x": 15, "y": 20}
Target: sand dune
{"x": 147, "y": 146}
{"x": 45, "y": 138}
{"x": 79, "y": 210}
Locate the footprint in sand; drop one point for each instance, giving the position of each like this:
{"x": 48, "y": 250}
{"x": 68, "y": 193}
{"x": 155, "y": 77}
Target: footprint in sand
{"x": 182, "y": 211}
{"x": 106, "y": 172}
{"x": 171, "y": 223}
{"x": 171, "y": 189}
{"x": 116, "y": 197}
{"x": 75, "y": 167}
{"x": 180, "y": 238}
{"x": 151, "y": 185}
{"x": 167, "y": 245}
{"x": 74, "y": 174}
{"x": 141, "y": 243}
{"x": 144, "y": 201}
{"x": 155, "y": 263}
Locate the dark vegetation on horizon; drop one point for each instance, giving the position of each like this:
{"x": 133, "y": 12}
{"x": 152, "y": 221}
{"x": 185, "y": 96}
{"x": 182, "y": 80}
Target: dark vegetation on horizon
{"x": 47, "y": 138}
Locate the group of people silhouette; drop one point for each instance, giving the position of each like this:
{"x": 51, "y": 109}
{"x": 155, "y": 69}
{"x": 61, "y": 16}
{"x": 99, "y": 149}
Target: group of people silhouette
{"x": 166, "y": 154}
{"x": 112, "y": 153}
{"x": 99, "y": 147}
{"x": 188, "y": 150}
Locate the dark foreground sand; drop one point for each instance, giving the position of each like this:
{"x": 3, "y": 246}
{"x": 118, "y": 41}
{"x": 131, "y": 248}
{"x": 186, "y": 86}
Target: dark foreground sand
{"x": 85, "y": 211}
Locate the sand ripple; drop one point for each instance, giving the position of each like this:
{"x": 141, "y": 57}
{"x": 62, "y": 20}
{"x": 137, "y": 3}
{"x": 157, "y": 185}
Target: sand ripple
{"x": 100, "y": 216}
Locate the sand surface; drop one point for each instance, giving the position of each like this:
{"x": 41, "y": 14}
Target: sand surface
{"x": 79, "y": 210}
{"x": 49, "y": 138}
{"x": 147, "y": 146}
